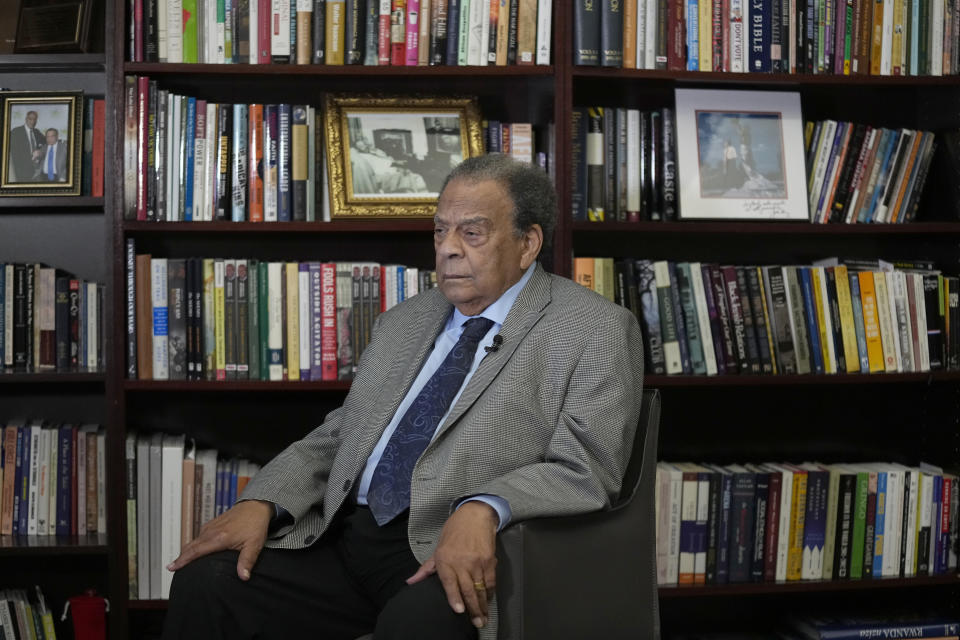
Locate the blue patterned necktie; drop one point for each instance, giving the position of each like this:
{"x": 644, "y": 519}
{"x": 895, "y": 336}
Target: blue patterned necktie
{"x": 50, "y": 163}
{"x": 389, "y": 492}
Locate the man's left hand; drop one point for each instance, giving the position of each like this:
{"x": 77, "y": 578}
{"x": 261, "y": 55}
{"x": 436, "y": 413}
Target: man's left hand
{"x": 465, "y": 560}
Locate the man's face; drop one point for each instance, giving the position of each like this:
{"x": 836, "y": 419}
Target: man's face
{"x": 51, "y": 137}
{"x": 479, "y": 254}
{"x": 31, "y": 120}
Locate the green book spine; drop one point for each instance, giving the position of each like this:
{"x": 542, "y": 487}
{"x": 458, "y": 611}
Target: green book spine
{"x": 859, "y": 527}
{"x": 263, "y": 325}
{"x": 253, "y": 319}
{"x": 464, "y": 33}
{"x": 190, "y": 31}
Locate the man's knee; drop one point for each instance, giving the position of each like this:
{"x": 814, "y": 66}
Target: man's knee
{"x": 422, "y": 611}
{"x": 206, "y": 575}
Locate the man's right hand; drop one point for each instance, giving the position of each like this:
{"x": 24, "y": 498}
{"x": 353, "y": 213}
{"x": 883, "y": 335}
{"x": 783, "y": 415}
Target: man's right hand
{"x": 243, "y": 528}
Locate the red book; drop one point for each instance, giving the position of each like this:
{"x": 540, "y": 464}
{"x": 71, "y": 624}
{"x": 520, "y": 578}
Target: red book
{"x": 398, "y": 33}
{"x": 773, "y": 527}
{"x": 328, "y": 319}
{"x": 99, "y": 126}
{"x": 676, "y": 36}
{"x": 383, "y": 39}
{"x": 143, "y": 107}
{"x": 264, "y": 11}
{"x": 136, "y": 54}
{"x": 254, "y": 166}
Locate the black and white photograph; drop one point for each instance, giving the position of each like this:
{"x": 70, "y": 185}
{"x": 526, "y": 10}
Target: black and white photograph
{"x": 40, "y": 144}
{"x": 740, "y": 155}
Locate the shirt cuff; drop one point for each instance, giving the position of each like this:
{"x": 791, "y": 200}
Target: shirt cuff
{"x": 281, "y": 518}
{"x": 501, "y": 506}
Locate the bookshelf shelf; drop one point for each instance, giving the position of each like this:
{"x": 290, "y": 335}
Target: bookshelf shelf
{"x": 245, "y": 386}
{"x": 769, "y": 228}
{"x": 53, "y": 545}
{"x": 224, "y": 227}
{"x": 52, "y": 204}
{"x": 762, "y": 79}
{"x": 812, "y": 586}
{"x": 148, "y": 605}
{"x": 655, "y": 381}
{"x": 95, "y": 378}
{"x": 360, "y": 71}
{"x": 57, "y": 62}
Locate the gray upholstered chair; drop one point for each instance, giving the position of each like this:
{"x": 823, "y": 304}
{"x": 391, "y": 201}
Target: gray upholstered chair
{"x": 592, "y": 575}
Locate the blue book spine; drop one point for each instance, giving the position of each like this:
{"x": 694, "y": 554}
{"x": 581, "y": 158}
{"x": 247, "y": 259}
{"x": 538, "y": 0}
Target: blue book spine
{"x": 815, "y": 514}
{"x": 64, "y": 473}
{"x": 17, "y": 481}
{"x": 453, "y": 32}
{"x": 232, "y": 497}
{"x": 760, "y": 35}
{"x": 316, "y": 323}
{"x": 723, "y": 531}
{"x": 285, "y": 200}
{"x": 879, "y": 523}
{"x": 23, "y": 473}
{"x": 220, "y": 483}
{"x": 834, "y": 154}
{"x": 678, "y": 321}
{"x": 858, "y": 323}
{"x": 693, "y": 40}
{"x": 854, "y": 631}
{"x": 882, "y": 178}
{"x": 188, "y": 172}
{"x": 401, "y": 283}
{"x": 914, "y": 32}
{"x": 810, "y": 312}
{"x": 691, "y": 324}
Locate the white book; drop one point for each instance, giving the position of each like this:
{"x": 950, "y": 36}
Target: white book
{"x": 640, "y": 60}
{"x": 703, "y": 318}
{"x": 171, "y": 479}
{"x": 890, "y": 279}
{"x": 43, "y": 483}
{"x": 220, "y": 41}
{"x": 143, "y": 517}
{"x": 200, "y": 166}
{"x": 207, "y": 460}
{"x": 822, "y": 205}
{"x": 413, "y": 281}
{"x": 101, "y": 480}
{"x": 324, "y": 184}
{"x": 886, "y": 321}
{"x": 921, "y": 321}
{"x": 305, "y": 318}
{"x": 675, "y": 516}
{"x": 689, "y": 512}
{"x": 175, "y": 31}
{"x": 892, "y": 522}
{"x": 650, "y": 44}
{"x": 737, "y": 50}
{"x": 830, "y": 365}
{"x": 275, "y": 319}
{"x": 158, "y": 290}
{"x": 254, "y": 47}
{"x": 544, "y": 30}
{"x": 93, "y": 324}
{"x": 36, "y": 429}
{"x": 162, "y": 15}
{"x": 210, "y": 166}
{"x": 280, "y": 38}
{"x": 173, "y": 129}
{"x": 484, "y": 30}
{"x": 925, "y": 507}
{"x": 886, "y": 42}
{"x": 7, "y": 355}
{"x": 53, "y": 461}
{"x": 936, "y": 38}
{"x": 869, "y": 142}
{"x": 824, "y": 146}
{"x": 904, "y": 322}
{"x": 478, "y": 16}
{"x": 633, "y": 160}
{"x": 783, "y": 536}
{"x": 210, "y": 31}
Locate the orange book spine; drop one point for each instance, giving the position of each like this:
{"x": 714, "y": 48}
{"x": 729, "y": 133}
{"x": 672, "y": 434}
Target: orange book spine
{"x": 255, "y": 148}
{"x": 583, "y": 272}
{"x": 187, "y": 491}
{"x": 9, "y": 467}
{"x": 871, "y": 323}
{"x": 630, "y": 34}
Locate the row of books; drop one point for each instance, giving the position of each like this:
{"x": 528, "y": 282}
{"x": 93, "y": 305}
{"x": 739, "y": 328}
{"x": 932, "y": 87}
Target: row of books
{"x": 94, "y": 126}
{"x": 22, "y": 618}
{"x": 914, "y": 625}
{"x": 54, "y": 479}
{"x": 212, "y": 319}
{"x": 172, "y": 490}
{"x": 188, "y": 159}
{"x": 831, "y": 317}
{"x": 859, "y": 173}
{"x": 886, "y": 37}
{"x": 624, "y": 163}
{"x": 338, "y": 32}
{"x": 786, "y": 522}
{"x": 50, "y": 320}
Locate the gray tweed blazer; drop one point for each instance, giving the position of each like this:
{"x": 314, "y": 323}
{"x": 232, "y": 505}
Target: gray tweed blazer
{"x": 546, "y": 422}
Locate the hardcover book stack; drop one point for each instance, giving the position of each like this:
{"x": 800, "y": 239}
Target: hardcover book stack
{"x": 50, "y": 320}
{"x": 188, "y": 159}
{"x": 624, "y": 163}
{"x": 338, "y": 32}
{"x": 786, "y": 522}
{"x": 54, "y": 479}
{"x": 884, "y": 37}
{"x": 828, "y": 318}
{"x": 173, "y": 489}
{"x": 21, "y": 617}
{"x": 859, "y": 173}
{"x": 248, "y": 319}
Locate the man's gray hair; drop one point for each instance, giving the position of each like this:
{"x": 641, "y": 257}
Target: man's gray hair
{"x": 529, "y": 188}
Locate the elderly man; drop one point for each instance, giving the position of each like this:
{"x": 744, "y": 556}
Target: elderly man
{"x": 505, "y": 394}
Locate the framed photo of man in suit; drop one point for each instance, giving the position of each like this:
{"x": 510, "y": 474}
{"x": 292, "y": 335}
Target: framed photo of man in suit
{"x": 41, "y": 143}
{"x": 389, "y": 156}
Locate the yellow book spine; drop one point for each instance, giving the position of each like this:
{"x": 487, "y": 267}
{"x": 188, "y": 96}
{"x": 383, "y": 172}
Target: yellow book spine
{"x": 817, "y": 274}
{"x": 603, "y": 277}
{"x": 847, "y": 328}
{"x": 705, "y": 25}
{"x": 336, "y": 32}
{"x": 209, "y": 313}
{"x": 896, "y": 49}
{"x": 871, "y": 324}
{"x": 583, "y": 272}
{"x": 219, "y": 330}
{"x": 798, "y": 508}
{"x": 887, "y": 331}
{"x": 293, "y": 320}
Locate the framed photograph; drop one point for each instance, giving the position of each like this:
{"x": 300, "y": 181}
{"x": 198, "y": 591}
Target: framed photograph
{"x": 62, "y": 26}
{"x": 389, "y": 156}
{"x": 740, "y": 155}
{"x": 41, "y": 143}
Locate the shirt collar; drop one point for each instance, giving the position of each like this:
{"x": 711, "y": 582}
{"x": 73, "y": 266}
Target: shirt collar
{"x": 499, "y": 309}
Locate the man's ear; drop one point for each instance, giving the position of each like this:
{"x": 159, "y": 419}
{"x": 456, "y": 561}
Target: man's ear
{"x": 532, "y": 243}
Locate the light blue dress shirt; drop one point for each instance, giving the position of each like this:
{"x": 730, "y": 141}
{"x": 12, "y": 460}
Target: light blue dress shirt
{"x": 448, "y": 337}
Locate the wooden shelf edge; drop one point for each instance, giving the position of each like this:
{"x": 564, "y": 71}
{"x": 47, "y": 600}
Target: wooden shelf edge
{"x": 786, "y": 228}
{"x": 810, "y": 586}
{"x": 24, "y": 62}
{"x": 53, "y": 378}
{"x": 53, "y": 545}
{"x": 147, "y": 605}
{"x": 338, "y": 226}
{"x": 157, "y": 69}
{"x": 792, "y": 380}
{"x": 337, "y": 386}
{"x": 763, "y": 78}
{"x": 54, "y": 204}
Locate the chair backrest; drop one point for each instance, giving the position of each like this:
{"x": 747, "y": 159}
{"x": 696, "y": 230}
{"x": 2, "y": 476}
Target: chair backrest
{"x": 644, "y": 450}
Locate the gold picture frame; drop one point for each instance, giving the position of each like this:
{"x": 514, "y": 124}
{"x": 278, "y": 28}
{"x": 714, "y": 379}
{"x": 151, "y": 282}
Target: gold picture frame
{"x": 387, "y": 157}
{"x": 29, "y": 164}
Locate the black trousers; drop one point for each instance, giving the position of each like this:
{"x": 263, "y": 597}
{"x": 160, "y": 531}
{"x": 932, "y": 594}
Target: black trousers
{"x": 349, "y": 583}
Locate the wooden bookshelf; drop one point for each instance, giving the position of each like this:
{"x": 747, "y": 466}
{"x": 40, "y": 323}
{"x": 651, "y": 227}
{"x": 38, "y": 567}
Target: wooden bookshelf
{"x": 45, "y": 546}
{"x": 360, "y": 71}
{"x": 808, "y": 586}
{"x": 51, "y": 204}
{"x": 269, "y": 228}
{"x": 227, "y": 386}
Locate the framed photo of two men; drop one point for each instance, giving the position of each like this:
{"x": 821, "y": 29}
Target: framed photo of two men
{"x": 41, "y": 143}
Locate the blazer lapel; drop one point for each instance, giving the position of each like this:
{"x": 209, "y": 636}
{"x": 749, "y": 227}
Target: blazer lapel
{"x": 526, "y": 312}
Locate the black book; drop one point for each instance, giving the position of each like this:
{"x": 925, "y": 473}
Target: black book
{"x": 230, "y": 317}
{"x": 670, "y": 202}
{"x": 679, "y": 320}
{"x": 713, "y": 518}
{"x": 151, "y": 168}
{"x": 451, "y": 51}
{"x": 749, "y": 326}
{"x": 742, "y": 511}
{"x": 725, "y": 319}
{"x": 646, "y": 168}
{"x": 76, "y": 334}
{"x": 284, "y": 161}
{"x": 953, "y": 323}
{"x": 646, "y": 288}
{"x": 578, "y": 159}
{"x": 356, "y": 317}
{"x": 189, "y": 291}
{"x": 512, "y": 32}
{"x": 319, "y": 31}
{"x": 30, "y": 301}
{"x": 241, "y": 321}
{"x": 844, "y": 529}
{"x": 904, "y": 522}
{"x": 371, "y": 16}
{"x": 757, "y": 560}
{"x": 224, "y": 199}
{"x": 737, "y": 320}
{"x": 160, "y": 153}
{"x": 353, "y": 38}
{"x": 931, "y": 296}
{"x": 611, "y": 33}
{"x": 759, "y": 319}
{"x": 838, "y": 208}
{"x": 620, "y": 157}
{"x": 834, "y": 311}
{"x": 177, "y": 318}
{"x": 596, "y": 189}
{"x": 151, "y": 45}
{"x": 61, "y": 304}
{"x": 241, "y": 37}
{"x": 780, "y": 320}
{"x": 20, "y": 313}
{"x": 586, "y": 33}
{"x": 656, "y": 165}
{"x": 610, "y": 138}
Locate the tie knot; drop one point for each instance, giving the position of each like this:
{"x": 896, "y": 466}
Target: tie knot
{"x": 475, "y": 328}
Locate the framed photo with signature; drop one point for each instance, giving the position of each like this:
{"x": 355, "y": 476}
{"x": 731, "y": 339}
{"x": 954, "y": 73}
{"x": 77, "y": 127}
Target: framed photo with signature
{"x": 740, "y": 155}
